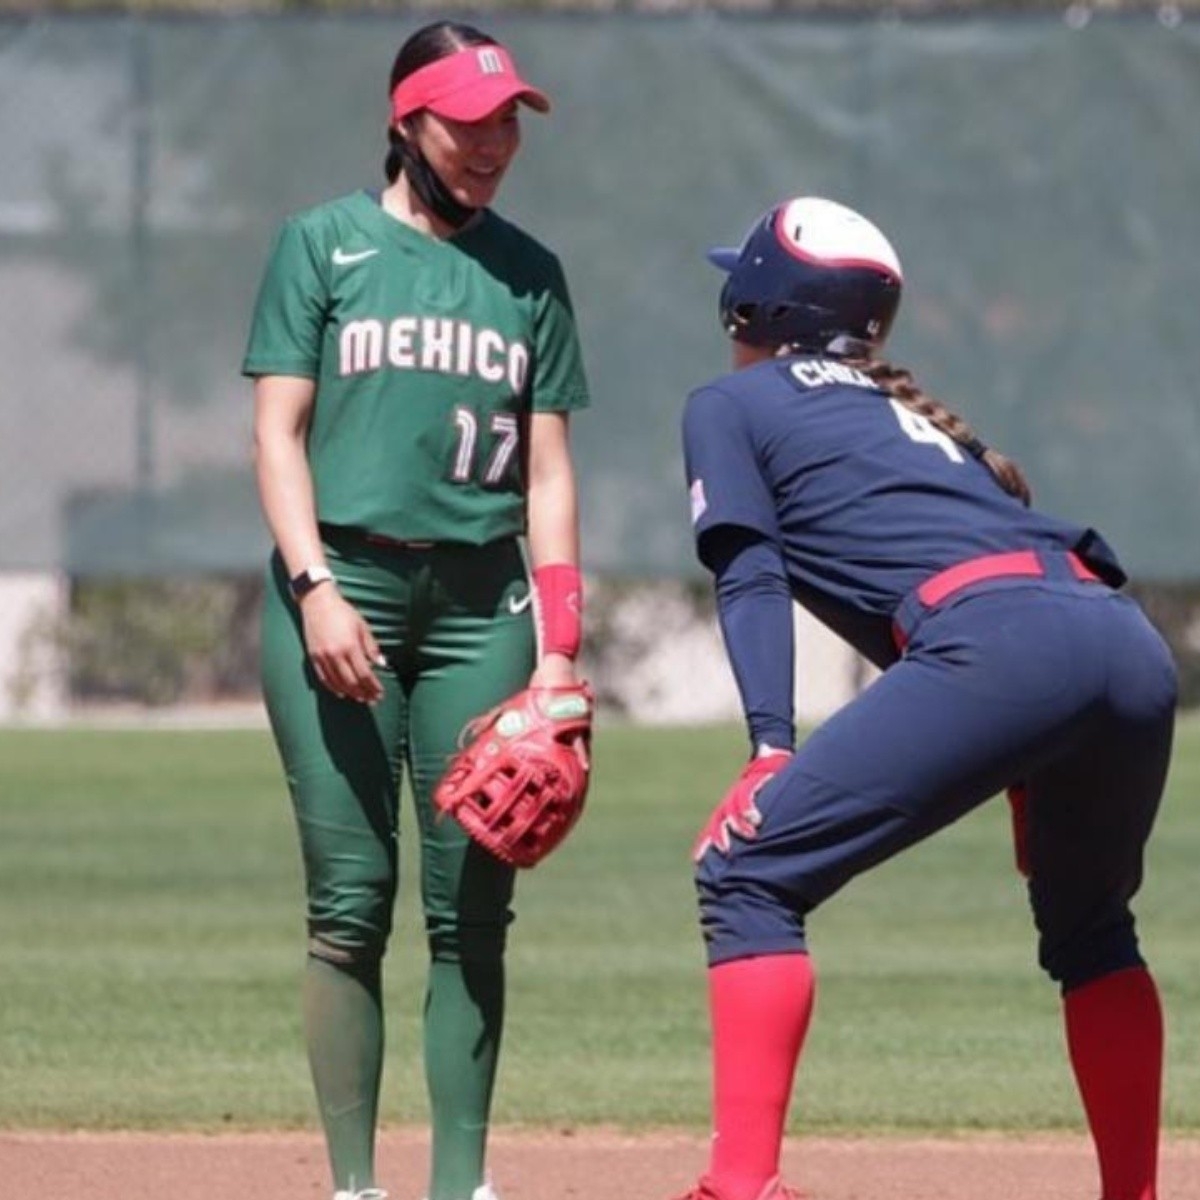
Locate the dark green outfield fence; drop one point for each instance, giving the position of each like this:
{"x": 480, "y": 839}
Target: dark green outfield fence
{"x": 1040, "y": 181}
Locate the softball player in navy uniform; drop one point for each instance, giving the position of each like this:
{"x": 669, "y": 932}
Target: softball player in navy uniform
{"x": 415, "y": 362}
{"x": 819, "y": 473}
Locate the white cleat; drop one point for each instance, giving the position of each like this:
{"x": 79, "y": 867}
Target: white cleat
{"x": 365, "y": 1194}
{"x": 484, "y": 1191}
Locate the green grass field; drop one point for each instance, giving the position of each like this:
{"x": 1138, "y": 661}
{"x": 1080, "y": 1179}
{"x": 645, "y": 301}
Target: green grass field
{"x": 151, "y": 939}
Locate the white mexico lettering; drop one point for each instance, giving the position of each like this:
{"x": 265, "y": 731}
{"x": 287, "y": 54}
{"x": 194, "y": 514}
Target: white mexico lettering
{"x": 400, "y": 343}
{"x": 361, "y": 347}
{"x": 487, "y": 344}
{"x": 435, "y": 344}
{"x": 518, "y": 366}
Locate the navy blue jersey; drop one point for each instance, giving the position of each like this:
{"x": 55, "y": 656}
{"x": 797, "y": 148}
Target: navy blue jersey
{"x": 864, "y": 498}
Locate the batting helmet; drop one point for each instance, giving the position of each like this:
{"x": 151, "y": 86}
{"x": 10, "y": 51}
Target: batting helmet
{"x": 811, "y": 274}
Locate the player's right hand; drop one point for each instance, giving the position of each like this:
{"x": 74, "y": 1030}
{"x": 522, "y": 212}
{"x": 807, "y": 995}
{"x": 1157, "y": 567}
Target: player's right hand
{"x": 341, "y": 646}
{"x": 737, "y": 813}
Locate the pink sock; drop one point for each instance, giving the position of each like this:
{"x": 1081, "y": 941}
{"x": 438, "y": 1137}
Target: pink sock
{"x": 1115, "y": 1038}
{"x": 759, "y": 1009}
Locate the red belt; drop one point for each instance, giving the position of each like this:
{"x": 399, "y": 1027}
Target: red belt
{"x": 1016, "y": 564}
{"x": 346, "y": 534}
{"x": 379, "y": 539}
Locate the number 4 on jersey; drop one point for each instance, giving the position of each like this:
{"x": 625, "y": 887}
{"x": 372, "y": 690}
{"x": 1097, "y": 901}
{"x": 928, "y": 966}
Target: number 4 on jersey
{"x": 922, "y": 429}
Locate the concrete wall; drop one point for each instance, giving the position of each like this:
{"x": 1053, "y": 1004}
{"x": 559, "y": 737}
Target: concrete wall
{"x": 665, "y": 663}
{"x": 32, "y": 680}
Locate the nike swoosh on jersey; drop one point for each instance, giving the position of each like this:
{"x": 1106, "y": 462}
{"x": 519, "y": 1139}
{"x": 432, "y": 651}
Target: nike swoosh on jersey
{"x": 518, "y": 604}
{"x": 342, "y": 259}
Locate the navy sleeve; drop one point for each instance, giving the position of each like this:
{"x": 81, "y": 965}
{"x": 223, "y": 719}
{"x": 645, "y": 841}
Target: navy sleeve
{"x": 725, "y": 482}
{"x": 754, "y": 604}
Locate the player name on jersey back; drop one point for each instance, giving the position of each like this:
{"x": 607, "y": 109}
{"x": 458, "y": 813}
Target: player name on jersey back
{"x": 438, "y": 344}
{"x": 824, "y": 372}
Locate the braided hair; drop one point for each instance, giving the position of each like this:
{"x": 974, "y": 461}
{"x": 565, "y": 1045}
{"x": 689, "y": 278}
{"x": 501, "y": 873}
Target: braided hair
{"x": 900, "y": 385}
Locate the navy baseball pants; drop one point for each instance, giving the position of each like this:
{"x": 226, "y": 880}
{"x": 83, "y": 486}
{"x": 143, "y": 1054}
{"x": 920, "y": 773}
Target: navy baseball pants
{"x": 1059, "y": 684}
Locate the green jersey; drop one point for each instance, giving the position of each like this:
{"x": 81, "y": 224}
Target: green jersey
{"x": 428, "y": 357}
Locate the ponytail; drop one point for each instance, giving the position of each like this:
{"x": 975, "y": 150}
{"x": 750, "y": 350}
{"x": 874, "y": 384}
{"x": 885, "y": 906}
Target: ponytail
{"x": 900, "y": 385}
{"x": 393, "y": 164}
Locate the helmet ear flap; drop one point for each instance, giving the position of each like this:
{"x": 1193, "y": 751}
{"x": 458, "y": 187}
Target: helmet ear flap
{"x": 742, "y": 316}
{"x": 735, "y": 317}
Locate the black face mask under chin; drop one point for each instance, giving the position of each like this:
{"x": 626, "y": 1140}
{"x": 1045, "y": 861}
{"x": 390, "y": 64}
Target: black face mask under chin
{"x": 432, "y": 192}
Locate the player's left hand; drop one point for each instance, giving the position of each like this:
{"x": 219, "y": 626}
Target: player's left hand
{"x": 737, "y": 813}
{"x": 519, "y": 783}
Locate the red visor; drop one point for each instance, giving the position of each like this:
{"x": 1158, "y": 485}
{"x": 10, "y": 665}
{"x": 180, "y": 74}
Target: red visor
{"x": 466, "y": 86}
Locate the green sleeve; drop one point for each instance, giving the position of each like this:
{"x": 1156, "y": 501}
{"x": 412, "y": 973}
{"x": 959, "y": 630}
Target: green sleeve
{"x": 289, "y": 315}
{"x": 559, "y": 382}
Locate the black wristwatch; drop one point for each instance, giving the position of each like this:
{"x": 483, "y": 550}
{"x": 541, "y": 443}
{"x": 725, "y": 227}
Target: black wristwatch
{"x": 303, "y": 583}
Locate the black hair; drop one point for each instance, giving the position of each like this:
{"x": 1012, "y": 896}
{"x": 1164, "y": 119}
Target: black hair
{"x": 427, "y": 45}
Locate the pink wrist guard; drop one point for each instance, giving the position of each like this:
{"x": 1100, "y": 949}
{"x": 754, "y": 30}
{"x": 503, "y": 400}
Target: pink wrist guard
{"x": 559, "y": 589}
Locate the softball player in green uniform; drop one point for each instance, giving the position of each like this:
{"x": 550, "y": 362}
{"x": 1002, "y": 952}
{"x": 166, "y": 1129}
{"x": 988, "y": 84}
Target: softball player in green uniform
{"x": 415, "y": 360}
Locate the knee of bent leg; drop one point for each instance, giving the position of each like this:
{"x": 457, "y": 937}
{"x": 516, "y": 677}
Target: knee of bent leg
{"x": 741, "y": 916}
{"x": 1088, "y": 954}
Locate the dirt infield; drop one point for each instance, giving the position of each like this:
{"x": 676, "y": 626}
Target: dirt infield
{"x": 562, "y": 1166}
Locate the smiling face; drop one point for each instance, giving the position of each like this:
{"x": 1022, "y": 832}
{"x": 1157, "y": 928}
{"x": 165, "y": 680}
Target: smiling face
{"x": 470, "y": 158}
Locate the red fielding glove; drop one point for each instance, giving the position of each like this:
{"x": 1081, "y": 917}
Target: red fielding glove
{"x": 519, "y": 783}
{"x": 737, "y": 813}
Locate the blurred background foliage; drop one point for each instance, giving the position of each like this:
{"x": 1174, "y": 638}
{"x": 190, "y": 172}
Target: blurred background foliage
{"x": 195, "y": 640}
